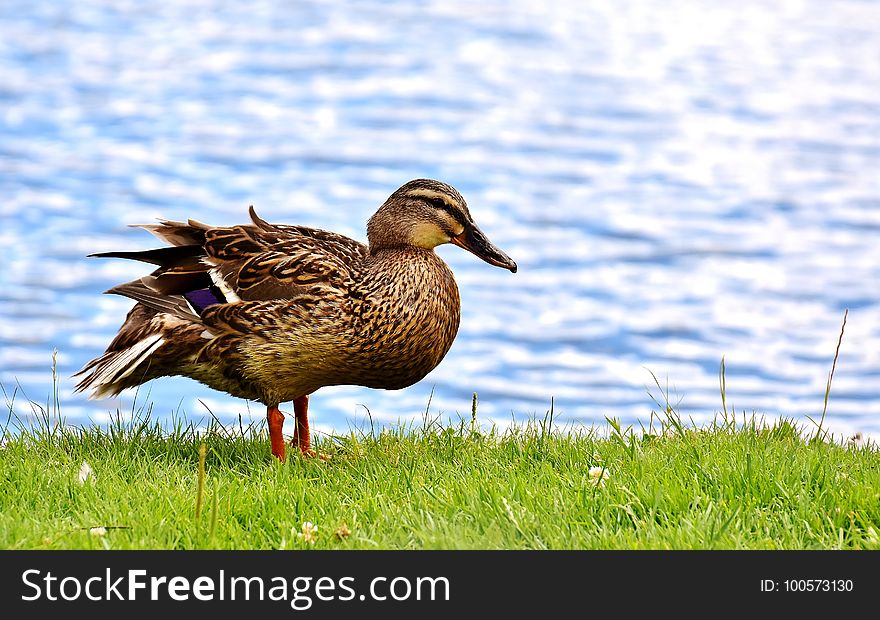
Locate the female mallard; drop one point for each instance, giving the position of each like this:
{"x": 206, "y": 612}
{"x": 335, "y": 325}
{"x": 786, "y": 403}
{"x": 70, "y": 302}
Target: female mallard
{"x": 273, "y": 312}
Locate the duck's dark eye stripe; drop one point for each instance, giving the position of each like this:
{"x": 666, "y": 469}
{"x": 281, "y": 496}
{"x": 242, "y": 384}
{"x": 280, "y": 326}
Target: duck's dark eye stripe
{"x": 442, "y": 205}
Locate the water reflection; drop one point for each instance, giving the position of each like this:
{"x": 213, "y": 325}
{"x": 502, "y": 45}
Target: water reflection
{"x": 676, "y": 181}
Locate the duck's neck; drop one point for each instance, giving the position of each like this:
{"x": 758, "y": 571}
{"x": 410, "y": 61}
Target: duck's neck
{"x": 407, "y": 261}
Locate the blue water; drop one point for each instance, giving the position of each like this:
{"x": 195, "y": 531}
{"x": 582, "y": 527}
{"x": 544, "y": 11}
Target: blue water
{"x": 678, "y": 182}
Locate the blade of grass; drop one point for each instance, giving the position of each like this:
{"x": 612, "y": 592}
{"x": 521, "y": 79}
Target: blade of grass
{"x": 819, "y": 434}
{"x": 200, "y": 489}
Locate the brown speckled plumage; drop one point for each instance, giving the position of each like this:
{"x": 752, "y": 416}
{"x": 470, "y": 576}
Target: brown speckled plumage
{"x": 292, "y": 308}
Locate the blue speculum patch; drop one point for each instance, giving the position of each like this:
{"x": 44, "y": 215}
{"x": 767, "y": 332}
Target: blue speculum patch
{"x": 204, "y": 297}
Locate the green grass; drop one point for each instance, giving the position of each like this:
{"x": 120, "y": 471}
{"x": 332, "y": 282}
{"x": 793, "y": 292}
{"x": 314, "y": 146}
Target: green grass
{"x": 727, "y": 485}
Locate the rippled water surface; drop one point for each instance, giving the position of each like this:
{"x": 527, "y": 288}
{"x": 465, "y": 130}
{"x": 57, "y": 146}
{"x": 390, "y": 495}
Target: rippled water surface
{"x": 678, "y": 182}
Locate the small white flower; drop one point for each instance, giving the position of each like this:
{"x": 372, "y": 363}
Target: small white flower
{"x": 98, "y": 531}
{"x": 856, "y": 440}
{"x": 598, "y": 476}
{"x": 309, "y": 533}
{"x": 86, "y": 473}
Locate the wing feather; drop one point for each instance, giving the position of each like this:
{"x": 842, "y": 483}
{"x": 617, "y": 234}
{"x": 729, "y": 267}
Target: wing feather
{"x": 247, "y": 263}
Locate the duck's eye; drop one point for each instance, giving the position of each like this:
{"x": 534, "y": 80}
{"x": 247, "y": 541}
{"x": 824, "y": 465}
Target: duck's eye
{"x": 439, "y": 204}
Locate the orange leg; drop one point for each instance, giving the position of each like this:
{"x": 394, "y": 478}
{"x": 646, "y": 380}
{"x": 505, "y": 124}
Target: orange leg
{"x": 276, "y": 424}
{"x": 301, "y": 436}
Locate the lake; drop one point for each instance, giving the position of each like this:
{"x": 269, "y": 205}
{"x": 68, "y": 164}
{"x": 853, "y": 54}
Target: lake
{"x": 677, "y": 181}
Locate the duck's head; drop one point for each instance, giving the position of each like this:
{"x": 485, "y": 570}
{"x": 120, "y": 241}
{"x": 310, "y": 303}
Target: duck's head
{"x": 425, "y": 214}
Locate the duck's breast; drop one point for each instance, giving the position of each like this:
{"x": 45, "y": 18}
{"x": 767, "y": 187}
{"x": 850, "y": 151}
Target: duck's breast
{"x": 407, "y": 318}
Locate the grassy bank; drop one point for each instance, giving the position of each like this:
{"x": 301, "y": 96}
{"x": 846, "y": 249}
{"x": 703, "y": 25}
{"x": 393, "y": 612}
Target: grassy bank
{"x": 723, "y": 486}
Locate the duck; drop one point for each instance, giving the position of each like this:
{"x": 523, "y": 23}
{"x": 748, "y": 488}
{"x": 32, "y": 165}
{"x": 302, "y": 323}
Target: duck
{"x": 274, "y": 312}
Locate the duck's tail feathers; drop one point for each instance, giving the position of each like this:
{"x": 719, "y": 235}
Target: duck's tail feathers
{"x": 178, "y": 233}
{"x": 181, "y": 269}
{"x": 169, "y": 257}
{"x": 146, "y": 291}
{"x": 105, "y": 376}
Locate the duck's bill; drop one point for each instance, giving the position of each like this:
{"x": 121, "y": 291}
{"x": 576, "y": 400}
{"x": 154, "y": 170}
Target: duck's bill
{"x": 473, "y": 240}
